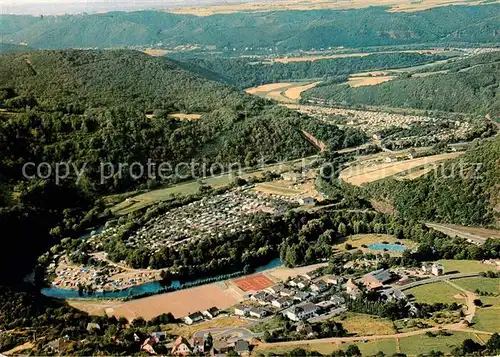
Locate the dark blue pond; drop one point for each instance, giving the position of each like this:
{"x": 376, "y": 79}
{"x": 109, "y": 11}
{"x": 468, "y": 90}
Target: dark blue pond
{"x": 151, "y": 287}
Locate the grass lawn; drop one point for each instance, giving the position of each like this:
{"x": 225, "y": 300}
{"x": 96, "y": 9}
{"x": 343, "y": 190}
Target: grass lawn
{"x": 366, "y": 325}
{"x": 421, "y": 344}
{"x": 489, "y": 285}
{"x": 369, "y": 348}
{"x": 366, "y": 239}
{"x": 488, "y": 318}
{"x": 465, "y": 266}
{"x": 435, "y": 292}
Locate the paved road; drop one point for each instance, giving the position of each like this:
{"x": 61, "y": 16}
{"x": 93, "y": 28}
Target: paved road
{"x": 436, "y": 279}
{"x": 452, "y": 232}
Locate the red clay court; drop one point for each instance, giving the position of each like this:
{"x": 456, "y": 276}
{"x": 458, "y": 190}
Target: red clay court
{"x": 254, "y": 282}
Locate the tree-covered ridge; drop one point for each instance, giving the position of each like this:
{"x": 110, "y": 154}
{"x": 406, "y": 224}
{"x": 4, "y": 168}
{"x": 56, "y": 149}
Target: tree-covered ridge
{"x": 89, "y": 106}
{"x": 245, "y": 73}
{"x": 473, "y": 89}
{"x": 463, "y": 191}
{"x": 282, "y": 30}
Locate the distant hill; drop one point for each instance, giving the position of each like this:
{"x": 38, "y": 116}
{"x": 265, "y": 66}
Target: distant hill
{"x": 13, "y": 48}
{"x": 278, "y": 31}
{"x": 470, "y": 85}
{"x": 91, "y": 105}
{"x": 464, "y": 191}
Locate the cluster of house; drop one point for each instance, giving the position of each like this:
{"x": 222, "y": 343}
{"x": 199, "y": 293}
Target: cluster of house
{"x": 200, "y": 316}
{"x": 314, "y": 298}
{"x": 197, "y": 345}
{"x": 308, "y": 296}
{"x": 210, "y": 216}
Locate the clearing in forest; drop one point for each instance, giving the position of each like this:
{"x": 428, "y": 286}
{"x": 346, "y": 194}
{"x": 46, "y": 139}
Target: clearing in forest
{"x": 355, "y": 82}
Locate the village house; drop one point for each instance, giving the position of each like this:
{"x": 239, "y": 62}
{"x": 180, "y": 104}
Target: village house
{"x": 305, "y": 329}
{"x": 311, "y": 275}
{"x": 260, "y": 296}
{"x": 282, "y": 302}
{"x": 287, "y": 292}
{"x": 303, "y": 284}
{"x": 241, "y": 346}
{"x": 393, "y": 294}
{"x": 192, "y": 318}
{"x": 148, "y": 344}
{"x": 301, "y": 312}
{"x": 436, "y": 269}
{"x": 319, "y": 286}
{"x": 220, "y": 348}
{"x": 333, "y": 279}
{"x": 181, "y": 347}
{"x": 376, "y": 279}
{"x": 352, "y": 288}
{"x": 159, "y": 335}
{"x": 198, "y": 345}
{"x": 337, "y": 300}
{"x": 211, "y": 313}
{"x": 306, "y": 200}
{"x": 241, "y": 310}
{"x": 301, "y": 296}
{"x": 275, "y": 289}
{"x": 257, "y": 312}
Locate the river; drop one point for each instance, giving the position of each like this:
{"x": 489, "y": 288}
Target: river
{"x": 151, "y": 287}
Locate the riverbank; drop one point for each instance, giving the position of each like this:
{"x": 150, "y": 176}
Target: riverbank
{"x": 150, "y": 288}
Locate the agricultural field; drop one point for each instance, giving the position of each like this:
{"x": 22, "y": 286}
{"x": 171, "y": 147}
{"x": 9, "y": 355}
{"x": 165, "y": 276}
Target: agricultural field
{"x": 435, "y": 292}
{"x": 368, "y": 80}
{"x": 282, "y": 92}
{"x": 362, "y": 174}
{"x": 465, "y": 266}
{"x": 487, "y": 317}
{"x": 314, "y": 57}
{"x": 262, "y": 6}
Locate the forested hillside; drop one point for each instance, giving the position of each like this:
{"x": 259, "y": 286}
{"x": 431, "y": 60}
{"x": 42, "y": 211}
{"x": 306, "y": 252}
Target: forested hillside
{"x": 245, "y": 73}
{"x": 464, "y": 88}
{"x": 463, "y": 191}
{"x": 276, "y": 30}
{"x": 88, "y": 107}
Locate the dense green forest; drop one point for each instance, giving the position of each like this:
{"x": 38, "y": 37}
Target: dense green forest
{"x": 280, "y": 30}
{"x": 463, "y": 191}
{"x": 245, "y": 72}
{"x": 464, "y": 88}
{"x": 89, "y": 107}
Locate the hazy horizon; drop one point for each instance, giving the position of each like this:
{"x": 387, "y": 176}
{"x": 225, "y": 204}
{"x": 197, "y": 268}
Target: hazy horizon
{"x": 61, "y": 7}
